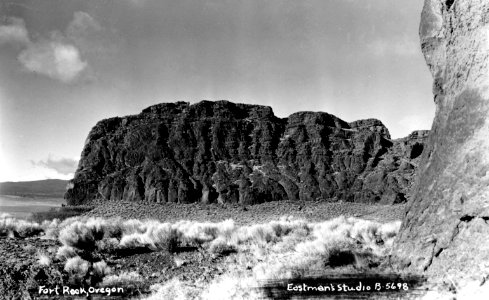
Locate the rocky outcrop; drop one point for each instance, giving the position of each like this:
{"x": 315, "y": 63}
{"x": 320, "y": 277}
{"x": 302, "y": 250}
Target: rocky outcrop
{"x": 445, "y": 229}
{"x": 236, "y": 153}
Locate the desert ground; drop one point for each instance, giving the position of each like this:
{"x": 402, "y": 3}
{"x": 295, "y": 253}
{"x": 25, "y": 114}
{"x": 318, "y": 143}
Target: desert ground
{"x": 197, "y": 251}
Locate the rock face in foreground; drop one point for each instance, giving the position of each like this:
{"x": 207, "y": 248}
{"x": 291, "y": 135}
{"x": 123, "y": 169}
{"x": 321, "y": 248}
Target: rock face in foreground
{"x": 446, "y": 230}
{"x": 236, "y": 153}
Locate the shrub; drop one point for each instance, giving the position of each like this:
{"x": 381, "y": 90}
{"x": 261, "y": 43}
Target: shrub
{"x": 135, "y": 240}
{"x": 52, "y": 228}
{"x": 272, "y": 232}
{"x": 77, "y": 266}
{"x": 171, "y": 241}
{"x": 260, "y": 235}
{"x": 340, "y": 257}
{"x": 43, "y": 259}
{"x": 123, "y": 279}
{"x": 200, "y": 233}
{"x": 133, "y": 226}
{"x": 60, "y": 213}
{"x": 221, "y": 246}
{"x": 107, "y": 244}
{"x": 27, "y": 229}
{"x": 157, "y": 236}
{"x": 66, "y": 252}
{"x": 100, "y": 269}
{"x": 174, "y": 289}
{"x": 82, "y": 235}
{"x": 13, "y": 227}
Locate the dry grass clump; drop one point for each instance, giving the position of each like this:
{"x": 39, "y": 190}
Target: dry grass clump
{"x": 133, "y": 226}
{"x": 83, "y": 272}
{"x": 175, "y": 289}
{"x": 123, "y": 279}
{"x": 25, "y": 229}
{"x": 52, "y": 228}
{"x": 100, "y": 269}
{"x": 199, "y": 233}
{"x": 12, "y": 227}
{"x": 272, "y": 232}
{"x": 77, "y": 265}
{"x": 43, "y": 259}
{"x": 153, "y": 235}
{"x": 107, "y": 244}
{"x": 82, "y": 235}
{"x": 66, "y": 252}
{"x": 77, "y": 268}
{"x": 222, "y": 246}
{"x": 353, "y": 233}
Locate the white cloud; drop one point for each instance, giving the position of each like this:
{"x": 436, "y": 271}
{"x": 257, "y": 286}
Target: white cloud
{"x": 401, "y": 46}
{"x": 89, "y": 36}
{"x": 81, "y": 24}
{"x": 64, "y": 166}
{"x": 14, "y": 32}
{"x": 53, "y": 58}
{"x": 59, "y": 56}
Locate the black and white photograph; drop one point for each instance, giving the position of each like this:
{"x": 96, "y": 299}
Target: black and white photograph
{"x": 244, "y": 149}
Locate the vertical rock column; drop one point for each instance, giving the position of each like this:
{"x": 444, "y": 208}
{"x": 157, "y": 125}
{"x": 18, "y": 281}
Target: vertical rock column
{"x": 445, "y": 231}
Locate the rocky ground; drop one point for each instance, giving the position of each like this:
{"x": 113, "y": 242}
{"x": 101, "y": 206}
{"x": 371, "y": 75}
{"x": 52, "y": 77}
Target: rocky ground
{"x": 312, "y": 211}
{"x": 19, "y": 265}
{"x": 22, "y": 272}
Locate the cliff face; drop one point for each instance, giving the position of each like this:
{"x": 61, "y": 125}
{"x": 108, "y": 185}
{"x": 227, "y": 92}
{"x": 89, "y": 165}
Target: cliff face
{"x": 445, "y": 229}
{"x": 226, "y": 152}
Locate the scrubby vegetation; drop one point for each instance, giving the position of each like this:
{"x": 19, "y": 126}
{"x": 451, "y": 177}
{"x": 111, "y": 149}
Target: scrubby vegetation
{"x": 60, "y": 213}
{"x": 291, "y": 249}
{"x": 287, "y": 248}
{"x": 12, "y": 227}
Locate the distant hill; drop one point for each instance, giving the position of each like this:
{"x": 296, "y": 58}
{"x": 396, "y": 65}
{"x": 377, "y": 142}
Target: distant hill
{"x": 55, "y": 188}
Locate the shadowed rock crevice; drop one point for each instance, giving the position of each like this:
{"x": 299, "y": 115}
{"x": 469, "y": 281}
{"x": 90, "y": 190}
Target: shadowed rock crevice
{"x": 236, "y": 153}
{"x": 449, "y": 3}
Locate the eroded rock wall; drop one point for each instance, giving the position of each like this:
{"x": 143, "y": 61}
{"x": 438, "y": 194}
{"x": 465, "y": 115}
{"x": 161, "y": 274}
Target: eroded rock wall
{"x": 445, "y": 231}
{"x": 236, "y": 153}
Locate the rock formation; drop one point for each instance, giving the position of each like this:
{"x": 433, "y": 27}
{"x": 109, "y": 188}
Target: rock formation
{"x": 445, "y": 231}
{"x": 236, "y": 153}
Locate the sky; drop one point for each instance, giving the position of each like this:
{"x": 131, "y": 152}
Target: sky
{"x": 66, "y": 64}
